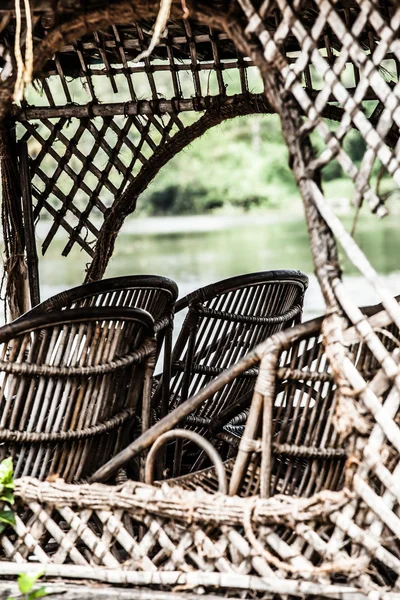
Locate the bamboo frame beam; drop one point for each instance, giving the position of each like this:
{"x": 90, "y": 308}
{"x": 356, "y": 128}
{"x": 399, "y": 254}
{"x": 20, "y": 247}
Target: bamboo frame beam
{"x": 194, "y": 579}
{"x": 140, "y": 107}
{"x": 61, "y": 591}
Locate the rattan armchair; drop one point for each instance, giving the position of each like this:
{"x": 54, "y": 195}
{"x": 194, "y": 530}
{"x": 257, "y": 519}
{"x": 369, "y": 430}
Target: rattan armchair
{"x": 153, "y": 293}
{"x": 224, "y": 321}
{"x": 295, "y": 440}
{"x": 72, "y": 383}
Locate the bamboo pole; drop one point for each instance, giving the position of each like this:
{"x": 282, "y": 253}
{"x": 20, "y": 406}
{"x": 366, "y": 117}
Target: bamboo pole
{"x": 29, "y": 226}
{"x": 70, "y": 591}
{"x": 139, "y": 107}
{"x": 355, "y": 254}
{"x": 196, "y": 579}
{"x": 13, "y": 234}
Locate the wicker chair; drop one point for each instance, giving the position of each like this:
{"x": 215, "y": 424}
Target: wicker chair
{"x": 291, "y": 444}
{"x": 155, "y": 294}
{"x": 224, "y": 321}
{"x": 71, "y": 385}
{"x": 298, "y": 451}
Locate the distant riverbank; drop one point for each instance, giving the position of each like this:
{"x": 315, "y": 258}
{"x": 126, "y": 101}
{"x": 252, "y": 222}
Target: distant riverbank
{"x": 197, "y": 250}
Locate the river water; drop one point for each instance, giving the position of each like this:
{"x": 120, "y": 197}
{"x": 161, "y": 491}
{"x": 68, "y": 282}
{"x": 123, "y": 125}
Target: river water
{"x": 195, "y": 251}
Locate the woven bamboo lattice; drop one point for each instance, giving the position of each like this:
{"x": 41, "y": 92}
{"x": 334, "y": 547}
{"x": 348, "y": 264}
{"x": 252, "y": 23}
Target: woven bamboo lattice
{"x": 104, "y": 125}
{"x": 170, "y": 536}
{"x": 86, "y": 154}
{"x": 322, "y": 440}
{"x": 185, "y": 532}
{"x": 72, "y": 383}
{"x": 154, "y": 294}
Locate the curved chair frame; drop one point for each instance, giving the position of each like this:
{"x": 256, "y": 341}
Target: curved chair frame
{"x": 241, "y": 370}
{"x": 294, "y": 363}
{"x": 291, "y": 444}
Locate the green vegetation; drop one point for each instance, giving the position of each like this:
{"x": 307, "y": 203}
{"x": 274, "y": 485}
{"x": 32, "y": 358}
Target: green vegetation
{"x": 243, "y": 164}
{"x": 240, "y": 165}
{"x": 26, "y": 583}
{"x": 7, "y": 516}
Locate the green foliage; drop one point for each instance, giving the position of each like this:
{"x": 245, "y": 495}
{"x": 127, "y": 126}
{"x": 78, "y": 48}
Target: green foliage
{"x": 332, "y": 171}
{"x": 7, "y": 516}
{"x": 355, "y": 146}
{"x": 178, "y": 200}
{"x": 242, "y": 164}
{"x": 26, "y": 581}
{"x": 6, "y": 476}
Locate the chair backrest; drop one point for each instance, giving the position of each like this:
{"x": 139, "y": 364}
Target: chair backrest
{"x": 310, "y": 428}
{"x": 71, "y": 383}
{"x": 224, "y": 322}
{"x": 155, "y": 294}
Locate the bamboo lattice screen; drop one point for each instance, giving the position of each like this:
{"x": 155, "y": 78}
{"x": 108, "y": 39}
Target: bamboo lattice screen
{"x": 100, "y": 117}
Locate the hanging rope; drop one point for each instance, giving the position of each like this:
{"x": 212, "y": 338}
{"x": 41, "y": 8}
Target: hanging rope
{"x": 24, "y": 70}
{"x": 12, "y": 226}
{"x": 159, "y": 27}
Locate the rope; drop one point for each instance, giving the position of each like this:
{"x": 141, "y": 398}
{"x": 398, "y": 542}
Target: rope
{"x": 159, "y": 27}
{"x": 303, "y": 375}
{"x": 24, "y": 71}
{"x": 308, "y": 451}
{"x": 29, "y": 45}
{"x": 180, "y": 365}
{"x": 259, "y": 320}
{"x": 17, "y": 52}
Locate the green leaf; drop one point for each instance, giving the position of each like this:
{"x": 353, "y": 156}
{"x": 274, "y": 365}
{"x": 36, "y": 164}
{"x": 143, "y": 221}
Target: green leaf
{"x": 7, "y": 516}
{"x": 6, "y": 473}
{"x": 7, "y": 496}
{"x": 39, "y": 593}
{"x": 26, "y": 581}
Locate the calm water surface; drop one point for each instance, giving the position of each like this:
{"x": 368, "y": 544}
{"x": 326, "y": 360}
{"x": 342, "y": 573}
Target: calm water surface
{"x": 195, "y": 251}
